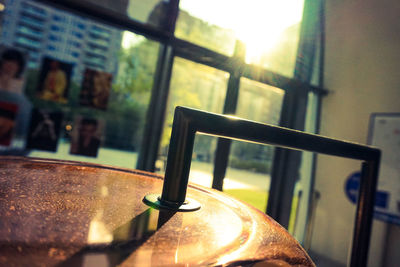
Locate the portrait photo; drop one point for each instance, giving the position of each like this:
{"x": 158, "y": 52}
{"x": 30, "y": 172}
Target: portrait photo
{"x": 95, "y": 90}
{"x": 12, "y": 67}
{"x": 54, "y": 80}
{"x": 8, "y": 113}
{"x": 86, "y": 136}
{"x": 44, "y": 130}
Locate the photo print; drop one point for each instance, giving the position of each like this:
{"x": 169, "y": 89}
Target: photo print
{"x": 44, "y": 130}
{"x": 54, "y": 80}
{"x": 8, "y": 113}
{"x": 86, "y": 136}
{"x": 95, "y": 90}
{"x": 12, "y": 67}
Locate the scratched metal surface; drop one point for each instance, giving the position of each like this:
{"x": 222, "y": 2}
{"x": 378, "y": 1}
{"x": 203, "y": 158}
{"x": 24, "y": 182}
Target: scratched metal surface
{"x": 59, "y": 213}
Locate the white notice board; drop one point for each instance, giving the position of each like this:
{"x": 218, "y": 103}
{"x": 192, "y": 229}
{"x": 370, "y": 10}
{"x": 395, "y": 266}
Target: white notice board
{"x": 384, "y": 133}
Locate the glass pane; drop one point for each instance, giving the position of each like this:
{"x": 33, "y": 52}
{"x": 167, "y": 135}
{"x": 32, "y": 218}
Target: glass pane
{"x": 269, "y": 29}
{"x": 196, "y": 86}
{"x": 248, "y": 173}
{"x": 89, "y": 84}
{"x": 303, "y": 188}
{"x": 152, "y": 12}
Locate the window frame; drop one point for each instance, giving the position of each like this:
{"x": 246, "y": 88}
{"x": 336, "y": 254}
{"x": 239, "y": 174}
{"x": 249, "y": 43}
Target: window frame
{"x": 170, "y": 47}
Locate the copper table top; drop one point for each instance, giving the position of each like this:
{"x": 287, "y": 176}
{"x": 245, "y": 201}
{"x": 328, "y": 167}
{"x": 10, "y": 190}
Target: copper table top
{"x": 80, "y": 214}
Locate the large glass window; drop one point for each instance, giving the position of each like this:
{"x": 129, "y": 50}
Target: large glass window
{"x": 269, "y": 29}
{"x": 89, "y": 83}
{"x": 249, "y": 167}
{"x": 89, "y": 99}
{"x": 197, "y": 86}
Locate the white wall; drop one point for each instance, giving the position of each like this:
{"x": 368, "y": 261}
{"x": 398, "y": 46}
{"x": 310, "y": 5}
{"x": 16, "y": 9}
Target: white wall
{"x": 362, "y": 69}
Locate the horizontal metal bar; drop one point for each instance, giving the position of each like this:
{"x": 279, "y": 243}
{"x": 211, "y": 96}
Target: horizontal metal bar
{"x": 232, "y": 127}
{"x": 263, "y": 75}
{"x": 205, "y": 56}
{"x": 364, "y": 214}
{"x": 189, "y": 121}
{"x": 110, "y": 17}
{"x": 183, "y": 48}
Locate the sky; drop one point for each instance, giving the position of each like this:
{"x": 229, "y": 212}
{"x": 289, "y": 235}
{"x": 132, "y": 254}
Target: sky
{"x": 258, "y": 23}
{"x": 236, "y": 13}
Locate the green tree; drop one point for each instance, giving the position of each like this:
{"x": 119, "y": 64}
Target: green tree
{"x": 131, "y": 94}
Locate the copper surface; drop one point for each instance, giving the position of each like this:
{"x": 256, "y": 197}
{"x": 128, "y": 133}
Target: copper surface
{"x": 77, "y": 214}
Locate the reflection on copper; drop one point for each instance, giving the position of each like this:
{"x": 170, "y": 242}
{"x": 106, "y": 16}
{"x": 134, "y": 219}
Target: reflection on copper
{"x": 73, "y": 214}
{"x": 98, "y": 232}
{"x": 124, "y": 240}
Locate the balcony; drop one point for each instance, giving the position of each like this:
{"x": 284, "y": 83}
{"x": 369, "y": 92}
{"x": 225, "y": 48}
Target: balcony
{"x": 27, "y": 43}
{"x": 35, "y": 12}
{"x": 95, "y": 52}
{"x": 95, "y": 60}
{"x": 33, "y": 23}
{"x": 99, "y": 33}
{"x": 93, "y": 65}
{"x": 29, "y": 32}
{"x": 99, "y": 44}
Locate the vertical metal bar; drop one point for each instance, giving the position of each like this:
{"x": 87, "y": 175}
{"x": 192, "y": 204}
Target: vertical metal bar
{"x": 311, "y": 212}
{"x": 293, "y": 116}
{"x": 364, "y": 214}
{"x": 286, "y": 164}
{"x": 311, "y": 220}
{"x": 173, "y": 11}
{"x": 156, "y": 110}
{"x": 322, "y": 44}
{"x": 159, "y": 96}
{"x": 231, "y": 101}
{"x": 221, "y": 162}
{"x": 179, "y": 158}
{"x": 188, "y": 121}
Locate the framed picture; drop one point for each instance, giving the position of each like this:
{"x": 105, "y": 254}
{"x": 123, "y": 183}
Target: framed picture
{"x": 86, "y": 136}
{"x": 54, "y": 80}
{"x": 12, "y": 67}
{"x": 384, "y": 133}
{"x": 8, "y": 113}
{"x": 95, "y": 90}
{"x": 44, "y": 130}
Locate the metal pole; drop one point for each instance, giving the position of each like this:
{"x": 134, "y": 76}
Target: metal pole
{"x": 189, "y": 121}
{"x": 364, "y": 214}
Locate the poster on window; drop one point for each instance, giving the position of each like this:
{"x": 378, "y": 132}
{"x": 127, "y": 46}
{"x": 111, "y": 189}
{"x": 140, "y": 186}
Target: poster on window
{"x": 95, "y": 90}
{"x": 54, "y": 80}
{"x": 8, "y": 114}
{"x": 86, "y": 136}
{"x": 385, "y": 134}
{"x": 12, "y": 68}
{"x": 44, "y": 130}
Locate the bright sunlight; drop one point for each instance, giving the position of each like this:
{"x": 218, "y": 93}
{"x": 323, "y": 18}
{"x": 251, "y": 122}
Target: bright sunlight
{"x": 258, "y": 23}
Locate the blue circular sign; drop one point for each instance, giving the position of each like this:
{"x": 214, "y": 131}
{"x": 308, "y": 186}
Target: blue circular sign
{"x": 352, "y": 185}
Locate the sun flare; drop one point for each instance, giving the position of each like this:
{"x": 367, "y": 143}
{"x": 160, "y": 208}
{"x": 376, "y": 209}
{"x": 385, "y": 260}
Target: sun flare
{"x": 258, "y": 23}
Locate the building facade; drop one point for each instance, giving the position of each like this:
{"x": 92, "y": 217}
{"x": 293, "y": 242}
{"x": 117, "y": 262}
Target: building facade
{"x": 44, "y": 31}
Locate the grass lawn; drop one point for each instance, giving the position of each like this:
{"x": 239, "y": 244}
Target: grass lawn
{"x": 125, "y": 159}
{"x": 257, "y": 199}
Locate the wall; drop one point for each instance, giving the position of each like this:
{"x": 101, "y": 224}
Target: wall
{"x": 362, "y": 63}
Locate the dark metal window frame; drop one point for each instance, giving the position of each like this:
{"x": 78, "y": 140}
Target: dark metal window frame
{"x": 170, "y": 46}
{"x": 189, "y": 121}
{"x": 183, "y": 48}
